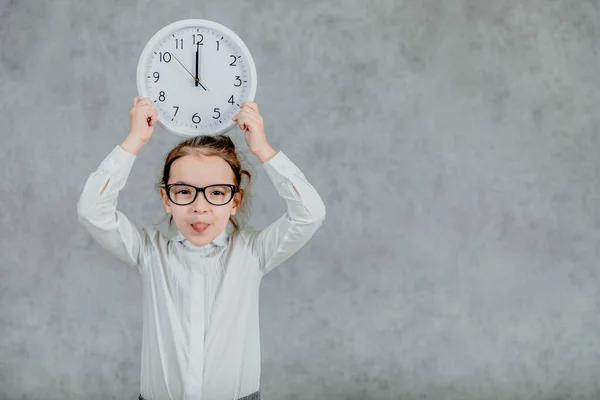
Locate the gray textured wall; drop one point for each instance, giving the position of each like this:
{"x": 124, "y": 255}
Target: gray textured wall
{"x": 455, "y": 144}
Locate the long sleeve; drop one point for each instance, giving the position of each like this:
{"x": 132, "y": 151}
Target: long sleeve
{"x": 305, "y": 214}
{"x": 97, "y": 208}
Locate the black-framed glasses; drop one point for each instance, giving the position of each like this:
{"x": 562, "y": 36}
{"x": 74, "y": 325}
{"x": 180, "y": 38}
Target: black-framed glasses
{"x": 183, "y": 194}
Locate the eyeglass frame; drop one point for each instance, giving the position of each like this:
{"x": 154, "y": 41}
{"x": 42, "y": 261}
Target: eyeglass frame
{"x": 234, "y": 190}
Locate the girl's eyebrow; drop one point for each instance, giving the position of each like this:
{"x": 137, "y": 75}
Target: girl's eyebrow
{"x": 189, "y": 184}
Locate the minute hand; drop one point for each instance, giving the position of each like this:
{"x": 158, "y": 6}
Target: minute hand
{"x": 197, "y": 78}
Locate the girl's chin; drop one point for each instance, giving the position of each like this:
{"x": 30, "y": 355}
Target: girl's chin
{"x": 198, "y": 240}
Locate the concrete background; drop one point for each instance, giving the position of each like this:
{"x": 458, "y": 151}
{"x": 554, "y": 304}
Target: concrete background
{"x": 454, "y": 142}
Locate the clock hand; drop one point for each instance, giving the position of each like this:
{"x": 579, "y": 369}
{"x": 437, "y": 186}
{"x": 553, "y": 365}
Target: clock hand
{"x": 192, "y": 75}
{"x": 197, "y": 78}
{"x": 183, "y": 66}
{"x": 201, "y": 59}
{"x": 199, "y": 47}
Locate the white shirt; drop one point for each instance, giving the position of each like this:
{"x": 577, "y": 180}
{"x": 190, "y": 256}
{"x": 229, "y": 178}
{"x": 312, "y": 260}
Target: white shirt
{"x": 200, "y": 338}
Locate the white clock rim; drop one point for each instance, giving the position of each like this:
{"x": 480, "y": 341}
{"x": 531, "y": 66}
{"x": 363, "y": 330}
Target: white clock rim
{"x": 193, "y": 23}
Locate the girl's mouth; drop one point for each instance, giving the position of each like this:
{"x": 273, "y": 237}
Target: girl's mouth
{"x": 200, "y": 226}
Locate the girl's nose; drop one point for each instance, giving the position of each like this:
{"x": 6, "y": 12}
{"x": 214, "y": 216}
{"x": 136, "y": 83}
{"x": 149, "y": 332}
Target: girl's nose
{"x": 200, "y": 205}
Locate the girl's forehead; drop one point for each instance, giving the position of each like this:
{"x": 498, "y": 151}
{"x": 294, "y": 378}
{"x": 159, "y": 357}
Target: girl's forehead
{"x": 201, "y": 170}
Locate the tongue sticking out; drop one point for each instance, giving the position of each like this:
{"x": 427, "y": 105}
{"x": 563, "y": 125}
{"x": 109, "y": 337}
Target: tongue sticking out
{"x": 199, "y": 226}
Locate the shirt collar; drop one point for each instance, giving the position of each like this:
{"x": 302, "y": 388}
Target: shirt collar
{"x": 219, "y": 241}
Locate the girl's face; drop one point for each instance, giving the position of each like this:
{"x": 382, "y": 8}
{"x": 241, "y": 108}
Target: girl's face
{"x": 200, "y": 222}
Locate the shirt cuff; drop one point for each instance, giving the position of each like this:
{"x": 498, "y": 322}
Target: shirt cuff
{"x": 119, "y": 162}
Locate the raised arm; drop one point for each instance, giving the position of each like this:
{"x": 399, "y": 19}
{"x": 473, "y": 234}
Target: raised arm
{"x": 305, "y": 209}
{"x": 97, "y": 205}
{"x": 304, "y": 215}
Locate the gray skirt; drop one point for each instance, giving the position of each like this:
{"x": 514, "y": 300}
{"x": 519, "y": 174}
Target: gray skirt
{"x": 253, "y": 396}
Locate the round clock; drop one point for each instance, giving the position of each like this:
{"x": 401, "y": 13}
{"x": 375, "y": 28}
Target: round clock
{"x": 197, "y": 73}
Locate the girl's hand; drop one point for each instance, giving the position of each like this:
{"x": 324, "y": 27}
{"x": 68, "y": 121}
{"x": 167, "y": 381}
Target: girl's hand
{"x": 142, "y": 118}
{"x": 250, "y": 121}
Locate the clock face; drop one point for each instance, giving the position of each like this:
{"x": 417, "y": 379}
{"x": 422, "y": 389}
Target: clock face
{"x": 196, "y": 73}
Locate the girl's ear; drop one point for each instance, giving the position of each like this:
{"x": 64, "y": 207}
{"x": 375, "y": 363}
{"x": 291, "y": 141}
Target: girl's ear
{"x": 237, "y": 201}
{"x": 165, "y": 199}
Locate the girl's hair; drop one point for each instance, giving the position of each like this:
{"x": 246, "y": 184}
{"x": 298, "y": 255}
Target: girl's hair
{"x": 219, "y": 145}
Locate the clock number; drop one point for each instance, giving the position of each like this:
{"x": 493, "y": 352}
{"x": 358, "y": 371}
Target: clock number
{"x": 233, "y": 62}
{"x": 196, "y": 118}
{"x": 161, "y": 96}
{"x": 156, "y": 75}
{"x": 217, "y": 45}
{"x": 200, "y": 37}
{"x": 218, "y": 114}
{"x": 166, "y": 57}
{"x": 237, "y": 78}
{"x": 230, "y": 101}
{"x": 177, "y": 43}
{"x": 176, "y": 110}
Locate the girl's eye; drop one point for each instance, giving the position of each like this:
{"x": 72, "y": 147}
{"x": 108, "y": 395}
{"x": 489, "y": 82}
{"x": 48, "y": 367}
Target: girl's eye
{"x": 183, "y": 191}
{"x": 217, "y": 193}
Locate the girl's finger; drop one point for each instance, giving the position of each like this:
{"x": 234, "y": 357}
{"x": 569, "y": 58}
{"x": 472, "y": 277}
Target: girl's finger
{"x": 242, "y": 113}
{"x": 245, "y": 123}
{"x": 146, "y": 106}
{"x": 251, "y": 120}
{"x": 148, "y": 109}
{"x": 241, "y": 120}
{"x": 151, "y": 114}
{"x": 251, "y": 114}
{"x": 249, "y": 104}
{"x": 254, "y": 119}
{"x": 136, "y": 100}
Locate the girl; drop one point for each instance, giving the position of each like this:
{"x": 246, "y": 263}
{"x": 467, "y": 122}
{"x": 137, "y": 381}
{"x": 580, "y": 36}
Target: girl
{"x": 200, "y": 336}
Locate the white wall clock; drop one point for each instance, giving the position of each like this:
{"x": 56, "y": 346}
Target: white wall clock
{"x": 197, "y": 73}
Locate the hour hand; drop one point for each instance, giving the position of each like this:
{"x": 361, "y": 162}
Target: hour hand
{"x": 200, "y": 83}
{"x": 198, "y": 64}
